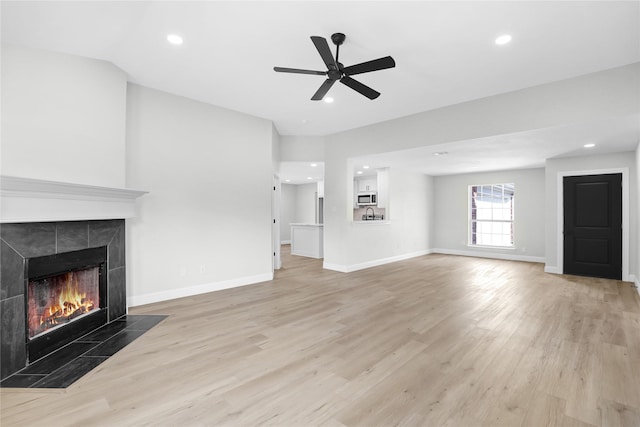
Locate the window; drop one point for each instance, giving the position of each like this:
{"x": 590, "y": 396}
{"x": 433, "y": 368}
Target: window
{"x": 491, "y": 215}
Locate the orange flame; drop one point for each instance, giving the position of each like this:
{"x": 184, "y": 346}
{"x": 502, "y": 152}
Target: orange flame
{"x": 70, "y": 303}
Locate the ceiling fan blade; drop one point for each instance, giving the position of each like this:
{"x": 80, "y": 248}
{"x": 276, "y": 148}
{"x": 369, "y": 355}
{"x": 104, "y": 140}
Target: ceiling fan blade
{"x": 322, "y": 91}
{"x": 324, "y": 51}
{"x": 375, "y": 65}
{"x": 359, "y": 87}
{"x": 298, "y": 71}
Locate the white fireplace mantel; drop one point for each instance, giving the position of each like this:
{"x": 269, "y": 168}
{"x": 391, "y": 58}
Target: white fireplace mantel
{"x": 36, "y": 200}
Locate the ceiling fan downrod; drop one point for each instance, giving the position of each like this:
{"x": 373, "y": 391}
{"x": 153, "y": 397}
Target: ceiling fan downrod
{"x": 338, "y": 39}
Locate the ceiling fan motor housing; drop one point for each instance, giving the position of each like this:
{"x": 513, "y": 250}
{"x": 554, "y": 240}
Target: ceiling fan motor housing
{"x": 336, "y": 74}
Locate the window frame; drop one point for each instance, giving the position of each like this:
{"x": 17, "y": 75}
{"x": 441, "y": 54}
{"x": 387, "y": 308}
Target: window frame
{"x": 470, "y": 219}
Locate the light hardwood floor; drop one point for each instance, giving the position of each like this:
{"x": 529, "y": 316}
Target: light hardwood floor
{"x": 437, "y": 340}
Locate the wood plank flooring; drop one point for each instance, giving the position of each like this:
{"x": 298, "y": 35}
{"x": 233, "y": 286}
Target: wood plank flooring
{"x": 436, "y": 340}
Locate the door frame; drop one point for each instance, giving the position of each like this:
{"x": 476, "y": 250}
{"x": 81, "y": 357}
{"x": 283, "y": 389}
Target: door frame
{"x": 625, "y": 215}
{"x": 276, "y": 195}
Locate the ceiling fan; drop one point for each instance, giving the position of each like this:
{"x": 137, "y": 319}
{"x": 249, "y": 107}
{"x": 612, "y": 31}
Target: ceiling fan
{"x": 336, "y": 71}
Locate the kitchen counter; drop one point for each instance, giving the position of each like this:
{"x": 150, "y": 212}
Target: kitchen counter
{"x": 307, "y": 240}
{"x": 372, "y": 222}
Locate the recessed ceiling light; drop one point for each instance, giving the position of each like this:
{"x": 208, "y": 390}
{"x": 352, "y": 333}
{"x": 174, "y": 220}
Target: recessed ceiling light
{"x": 309, "y": 177}
{"x": 328, "y": 100}
{"x": 287, "y": 180}
{"x": 440, "y": 153}
{"x": 365, "y": 167}
{"x": 359, "y": 172}
{"x": 174, "y": 39}
{"x": 503, "y": 39}
{"x": 313, "y": 165}
{"x": 589, "y": 145}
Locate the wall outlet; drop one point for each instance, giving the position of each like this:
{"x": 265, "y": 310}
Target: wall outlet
{"x": 203, "y": 269}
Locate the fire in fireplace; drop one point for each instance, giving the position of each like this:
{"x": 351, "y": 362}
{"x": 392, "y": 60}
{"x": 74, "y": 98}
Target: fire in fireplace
{"x": 59, "y": 299}
{"x": 66, "y": 298}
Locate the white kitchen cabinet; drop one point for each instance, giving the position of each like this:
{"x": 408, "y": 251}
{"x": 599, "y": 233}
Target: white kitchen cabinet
{"x": 307, "y": 240}
{"x": 367, "y": 183}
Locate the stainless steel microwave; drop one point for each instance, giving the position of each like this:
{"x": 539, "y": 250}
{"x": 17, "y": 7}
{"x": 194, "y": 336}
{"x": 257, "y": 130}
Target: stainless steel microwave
{"x": 369, "y": 198}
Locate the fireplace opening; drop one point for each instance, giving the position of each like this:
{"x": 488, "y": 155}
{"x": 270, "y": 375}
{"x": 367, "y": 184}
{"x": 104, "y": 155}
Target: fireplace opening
{"x": 66, "y": 298}
{"x": 59, "y": 299}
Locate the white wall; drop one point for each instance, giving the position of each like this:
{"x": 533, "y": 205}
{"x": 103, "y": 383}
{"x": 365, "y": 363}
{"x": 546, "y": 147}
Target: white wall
{"x": 206, "y": 223}
{"x": 366, "y": 244}
{"x": 301, "y": 148}
{"x": 298, "y": 206}
{"x": 306, "y": 203}
{"x": 63, "y": 118}
{"x": 451, "y": 203}
{"x": 287, "y": 211}
{"x": 555, "y": 167}
{"x": 275, "y": 148}
{"x": 593, "y": 97}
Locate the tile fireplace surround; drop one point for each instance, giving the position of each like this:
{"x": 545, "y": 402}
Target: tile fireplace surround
{"x": 40, "y": 218}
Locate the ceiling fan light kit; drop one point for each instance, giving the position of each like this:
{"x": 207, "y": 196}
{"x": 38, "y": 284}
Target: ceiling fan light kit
{"x": 337, "y": 72}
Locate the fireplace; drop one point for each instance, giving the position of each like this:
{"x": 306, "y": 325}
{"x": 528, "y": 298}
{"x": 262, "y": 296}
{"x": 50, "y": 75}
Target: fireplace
{"x": 41, "y": 218}
{"x": 65, "y": 298}
{"x": 36, "y": 254}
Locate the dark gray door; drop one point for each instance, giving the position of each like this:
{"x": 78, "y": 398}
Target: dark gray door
{"x": 593, "y": 225}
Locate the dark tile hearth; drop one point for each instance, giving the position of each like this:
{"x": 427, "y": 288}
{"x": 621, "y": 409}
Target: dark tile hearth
{"x": 63, "y": 367}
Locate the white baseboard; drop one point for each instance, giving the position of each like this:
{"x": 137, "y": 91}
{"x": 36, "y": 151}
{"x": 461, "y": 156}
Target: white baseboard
{"x": 285, "y": 242}
{"x": 636, "y": 282}
{"x": 552, "y": 269}
{"x": 136, "y": 300}
{"x": 374, "y": 263}
{"x": 494, "y": 255}
{"x": 335, "y": 267}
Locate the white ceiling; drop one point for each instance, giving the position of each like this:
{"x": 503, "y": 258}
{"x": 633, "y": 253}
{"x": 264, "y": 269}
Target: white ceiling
{"x": 301, "y": 172}
{"x": 514, "y": 151}
{"x": 444, "y": 51}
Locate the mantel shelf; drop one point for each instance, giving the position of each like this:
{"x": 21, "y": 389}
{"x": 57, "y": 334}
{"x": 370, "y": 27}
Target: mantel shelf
{"x": 35, "y": 200}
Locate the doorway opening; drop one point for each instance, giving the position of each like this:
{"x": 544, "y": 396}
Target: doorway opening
{"x": 301, "y": 210}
